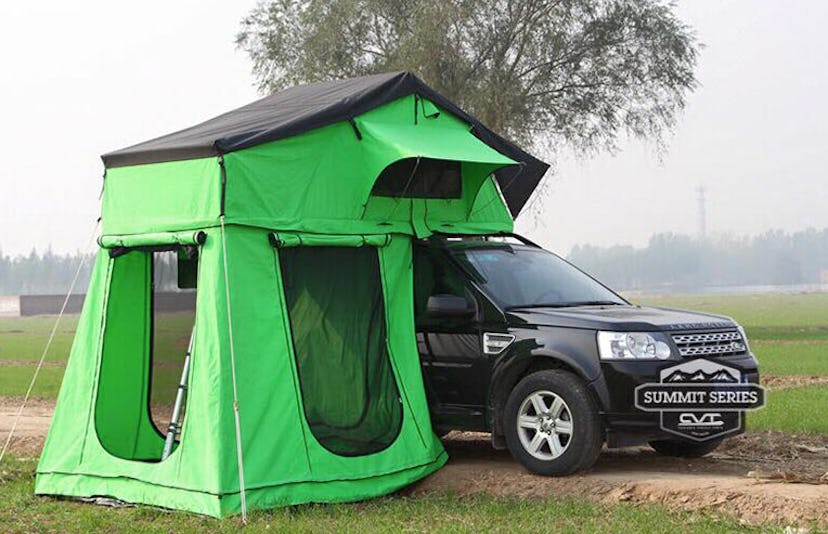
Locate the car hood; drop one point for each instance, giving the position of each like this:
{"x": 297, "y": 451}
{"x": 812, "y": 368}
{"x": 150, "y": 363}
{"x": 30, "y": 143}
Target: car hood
{"x": 619, "y": 318}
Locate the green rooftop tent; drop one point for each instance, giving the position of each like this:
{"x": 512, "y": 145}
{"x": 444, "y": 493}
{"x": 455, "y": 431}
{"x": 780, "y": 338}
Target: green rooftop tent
{"x": 297, "y": 214}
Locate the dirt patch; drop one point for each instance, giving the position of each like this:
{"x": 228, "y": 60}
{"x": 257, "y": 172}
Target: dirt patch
{"x": 758, "y": 477}
{"x": 37, "y": 416}
{"x": 743, "y": 478}
{"x": 32, "y": 427}
{"x": 775, "y": 382}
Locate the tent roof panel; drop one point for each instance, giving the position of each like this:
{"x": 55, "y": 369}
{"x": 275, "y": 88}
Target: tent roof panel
{"x": 306, "y": 107}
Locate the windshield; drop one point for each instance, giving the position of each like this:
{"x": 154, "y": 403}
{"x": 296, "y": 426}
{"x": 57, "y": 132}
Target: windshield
{"x": 517, "y": 277}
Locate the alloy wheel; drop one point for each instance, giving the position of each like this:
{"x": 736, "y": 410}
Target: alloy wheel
{"x": 544, "y": 425}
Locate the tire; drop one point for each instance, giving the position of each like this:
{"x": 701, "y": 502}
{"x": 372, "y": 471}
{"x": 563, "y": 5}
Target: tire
{"x": 541, "y": 446}
{"x": 684, "y": 449}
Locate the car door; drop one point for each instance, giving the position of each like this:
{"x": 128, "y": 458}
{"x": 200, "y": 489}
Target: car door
{"x": 455, "y": 370}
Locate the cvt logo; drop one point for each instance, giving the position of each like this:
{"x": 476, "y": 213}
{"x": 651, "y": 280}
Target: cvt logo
{"x": 700, "y": 399}
{"x": 690, "y": 419}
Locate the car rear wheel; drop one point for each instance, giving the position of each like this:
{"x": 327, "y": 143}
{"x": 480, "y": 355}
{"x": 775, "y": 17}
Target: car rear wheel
{"x": 551, "y": 423}
{"x": 684, "y": 449}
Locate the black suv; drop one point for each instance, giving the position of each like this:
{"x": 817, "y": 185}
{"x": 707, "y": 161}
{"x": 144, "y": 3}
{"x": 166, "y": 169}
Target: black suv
{"x": 517, "y": 342}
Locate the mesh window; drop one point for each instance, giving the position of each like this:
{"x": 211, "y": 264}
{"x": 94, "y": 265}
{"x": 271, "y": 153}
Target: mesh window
{"x": 431, "y": 178}
{"x": 337, "y": 319}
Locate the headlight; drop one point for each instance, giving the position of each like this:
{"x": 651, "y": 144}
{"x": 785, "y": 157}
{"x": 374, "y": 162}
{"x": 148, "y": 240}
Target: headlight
{"x": 633, "y": 346}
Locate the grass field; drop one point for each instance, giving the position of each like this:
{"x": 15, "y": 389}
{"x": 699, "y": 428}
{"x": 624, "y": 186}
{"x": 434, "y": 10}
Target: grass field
{"x": 801, "y": 312}
{"x": 799, "y": 410}
{"x": 22, "y": 511}
{"x": 23, "y": 338}
{"x": 22, "y": 341}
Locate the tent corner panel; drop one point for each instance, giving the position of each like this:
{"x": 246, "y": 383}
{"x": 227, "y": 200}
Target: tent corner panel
{"x": 162, "y": 197}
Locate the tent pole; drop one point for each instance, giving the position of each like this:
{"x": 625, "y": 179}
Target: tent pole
{"x": 175, "y": 427}
{"x": 239, "y": 454}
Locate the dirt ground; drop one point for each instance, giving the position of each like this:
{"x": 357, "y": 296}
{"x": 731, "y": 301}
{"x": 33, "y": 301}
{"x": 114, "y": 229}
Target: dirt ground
{"x": 757, "y": 477}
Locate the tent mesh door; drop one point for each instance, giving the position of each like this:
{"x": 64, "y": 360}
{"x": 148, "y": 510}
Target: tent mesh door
{"x": 337, "y": 316}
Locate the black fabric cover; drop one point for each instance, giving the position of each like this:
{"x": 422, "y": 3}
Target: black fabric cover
{"x": 306, "y": 107}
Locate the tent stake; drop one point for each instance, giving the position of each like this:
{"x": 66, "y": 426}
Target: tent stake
{"x": 175, "y": 427}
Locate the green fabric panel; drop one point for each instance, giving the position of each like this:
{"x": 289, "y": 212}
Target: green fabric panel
{"x": 488, "y": 214}
{"x": 122, "y": 421}
{"x": 396, "y": 263}
{"x": 337, "y": 317}
{"x": 291, "y": 183}
{"x": 143, "y": 240}
{"x": 67, "y": 435}
{"x": 273, "y": 426}
{"x": 320, "y": 181}
{"x": 161, "y": 197}
{"x": 287, "y": 494}
{"x": 128, "y": 490}
{"x": 284, "y": 239}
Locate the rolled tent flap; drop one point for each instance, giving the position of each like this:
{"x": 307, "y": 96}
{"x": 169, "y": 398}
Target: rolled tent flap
{"x": 282, "y": 240}
{"x": 153, "y": 240}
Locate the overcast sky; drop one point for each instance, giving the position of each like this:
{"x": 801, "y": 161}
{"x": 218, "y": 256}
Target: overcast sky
{"x": 80, "y": 79}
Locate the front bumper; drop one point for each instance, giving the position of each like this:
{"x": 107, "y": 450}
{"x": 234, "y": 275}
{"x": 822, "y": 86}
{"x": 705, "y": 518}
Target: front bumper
{"x": 615, "y": 388}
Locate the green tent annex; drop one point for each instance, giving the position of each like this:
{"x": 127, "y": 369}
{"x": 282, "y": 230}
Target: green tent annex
{"x": 293, "y": 217}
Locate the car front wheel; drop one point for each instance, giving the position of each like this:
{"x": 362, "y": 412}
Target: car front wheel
{"x": 551, "y": 423}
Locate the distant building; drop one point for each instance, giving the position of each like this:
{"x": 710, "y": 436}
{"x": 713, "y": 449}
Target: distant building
{"x": 823, "y": 277}
{"x": 10, "y": 306}
{"x": 28, "y": 305}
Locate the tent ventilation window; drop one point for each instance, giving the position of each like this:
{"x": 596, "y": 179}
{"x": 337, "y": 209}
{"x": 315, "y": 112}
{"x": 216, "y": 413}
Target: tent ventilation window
{"x": 336, "y": 309}
{"x": 148, "y": 322}
{"x": 431, "y": 178}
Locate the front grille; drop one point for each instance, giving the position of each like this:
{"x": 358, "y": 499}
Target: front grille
{"x": 729, "y": 343}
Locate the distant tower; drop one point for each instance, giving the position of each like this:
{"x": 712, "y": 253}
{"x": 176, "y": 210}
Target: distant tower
{"x": 700, "y": 190}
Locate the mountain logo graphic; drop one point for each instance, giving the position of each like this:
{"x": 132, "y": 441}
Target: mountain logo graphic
{"x": 720, "y": 376}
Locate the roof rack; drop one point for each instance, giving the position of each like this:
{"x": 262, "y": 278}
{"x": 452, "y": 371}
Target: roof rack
{"x": 444, "y": 237}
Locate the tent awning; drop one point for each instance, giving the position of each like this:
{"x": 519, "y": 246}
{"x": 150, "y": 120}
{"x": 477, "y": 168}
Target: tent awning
{"x": 448, "y": 144}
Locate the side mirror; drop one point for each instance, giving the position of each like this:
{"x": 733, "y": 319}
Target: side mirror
{"x": 449, "y": 306}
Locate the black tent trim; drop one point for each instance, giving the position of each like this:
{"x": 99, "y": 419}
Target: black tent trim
{"x": 306, "y": 107}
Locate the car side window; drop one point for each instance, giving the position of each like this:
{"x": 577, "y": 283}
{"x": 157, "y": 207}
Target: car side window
{"x": 434, "y": 275}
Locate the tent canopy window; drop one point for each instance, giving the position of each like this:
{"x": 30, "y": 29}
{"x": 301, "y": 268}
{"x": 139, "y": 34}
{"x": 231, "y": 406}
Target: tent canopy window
{"x": 420, "y": 178}
{"x": 336, "y": 310}
{"x": 144, "y": 345}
